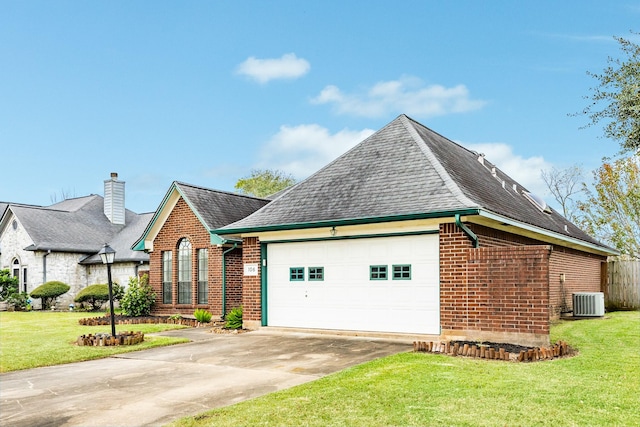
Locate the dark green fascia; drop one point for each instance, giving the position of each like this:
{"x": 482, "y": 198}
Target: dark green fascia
{"x": 351, "y": 221}
{"x": 263, "y": 284}
{"x": 360, "y": 236}
{"x": 219, "y": 240}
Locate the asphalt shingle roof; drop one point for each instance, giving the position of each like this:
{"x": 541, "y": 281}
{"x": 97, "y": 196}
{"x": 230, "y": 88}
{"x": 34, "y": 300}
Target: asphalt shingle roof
{"x": 404, "y": 169}
{"x": 79, "y": 225}
{"x": 219, "y": 208}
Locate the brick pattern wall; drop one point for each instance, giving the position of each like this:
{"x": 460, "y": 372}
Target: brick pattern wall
{"x": 234, "y": 279}
{"x": 581, "y": 274}
{"x": 454, "y": 245}
{"x": 181, "y": 223}
{"x": 507, "y": 290}
{"x": 251, "y": 290}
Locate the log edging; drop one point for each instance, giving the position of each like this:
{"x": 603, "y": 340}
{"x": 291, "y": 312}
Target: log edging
{"x": 481, "y": 351}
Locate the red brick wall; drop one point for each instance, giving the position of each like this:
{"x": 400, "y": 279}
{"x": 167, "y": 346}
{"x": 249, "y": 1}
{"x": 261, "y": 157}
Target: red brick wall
{"x": 508, "y": 285}
{"x": 508, "y": 290}
{"x": 581, "y": 274}
{"x": 251, "y": 289}
{"x": 182, "y": 222}
{"x": 234, "y": 279}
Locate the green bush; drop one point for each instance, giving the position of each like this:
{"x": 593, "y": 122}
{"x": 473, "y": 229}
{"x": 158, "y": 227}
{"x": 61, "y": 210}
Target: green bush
{"x": 19, "y": 300}
{"x": 48, "y": 292}
{"x": 202, "y": 315}
{"x": 138, "y": 298}
{"x": 234, "y": 319}
{"x": 94, "y": 296}
{"x": 8, "y": 284}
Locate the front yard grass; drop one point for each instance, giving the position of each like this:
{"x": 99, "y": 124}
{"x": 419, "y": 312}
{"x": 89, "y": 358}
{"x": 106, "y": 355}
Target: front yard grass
{"x": 34, "y": 339}
{"x": 598, "y": 387}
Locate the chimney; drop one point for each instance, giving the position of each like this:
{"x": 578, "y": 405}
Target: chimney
{"x": 114, "y": 199}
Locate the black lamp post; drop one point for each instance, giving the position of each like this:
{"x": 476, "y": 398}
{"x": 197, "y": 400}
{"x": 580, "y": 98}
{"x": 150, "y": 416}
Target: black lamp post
{"x": 107, "y": 255}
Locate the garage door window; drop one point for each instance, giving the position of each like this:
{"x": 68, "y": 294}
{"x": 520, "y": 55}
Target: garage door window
{"x": 402, "y": 272}
{"x": 316, "y": 273}
{"x": 296, "y": 274}
{"x": 378, "y": 272}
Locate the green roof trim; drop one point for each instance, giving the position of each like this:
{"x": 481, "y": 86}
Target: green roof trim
{"x": 350, "y": 221}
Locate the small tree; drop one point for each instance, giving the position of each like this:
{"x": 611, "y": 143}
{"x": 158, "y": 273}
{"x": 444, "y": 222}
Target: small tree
{"x": 564, "y": 185}
{"x": 264, "y": 182}
{"x": 138, "y": 298}
{"x": 48, "y": 292}
{"x": 8, "y": 284}
{"x": 96, "y": 295}
{"x": 612, "y": 211}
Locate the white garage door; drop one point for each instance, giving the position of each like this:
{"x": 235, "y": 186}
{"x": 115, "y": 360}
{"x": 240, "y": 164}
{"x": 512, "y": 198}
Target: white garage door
{"x": 351, "y": 290}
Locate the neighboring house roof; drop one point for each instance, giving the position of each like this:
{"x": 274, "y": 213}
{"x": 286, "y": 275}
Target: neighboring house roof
{"x": 77, "y": 225}
{"x": 405, "y": 171}
{"x": 214, "y": 209}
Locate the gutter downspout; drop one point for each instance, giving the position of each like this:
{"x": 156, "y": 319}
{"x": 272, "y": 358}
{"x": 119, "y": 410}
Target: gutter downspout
{"x": 472, "y": 236}
{"x": 44, "y": 265}
{"x": 224, "y": 279}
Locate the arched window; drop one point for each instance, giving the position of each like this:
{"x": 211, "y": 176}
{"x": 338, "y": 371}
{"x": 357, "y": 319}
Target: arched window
{"x": 184, "y": 271}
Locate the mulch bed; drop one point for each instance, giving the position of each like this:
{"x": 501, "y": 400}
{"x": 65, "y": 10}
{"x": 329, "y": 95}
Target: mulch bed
{"x": 495, "y": 351}
{"x": 217, "y": 326}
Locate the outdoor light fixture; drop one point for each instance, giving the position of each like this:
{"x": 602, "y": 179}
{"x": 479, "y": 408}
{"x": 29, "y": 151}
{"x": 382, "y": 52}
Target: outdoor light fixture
{"x": 108, "y": 255}
{"x": 333, "y": 231}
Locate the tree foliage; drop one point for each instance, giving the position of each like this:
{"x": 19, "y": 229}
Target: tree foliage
{"x": 264, "y": 182}
{"x": 564, "y": 186}
{"x": 96, "y": 295}
{"x": 612, "y": 210}
{"x": 8, "y": 284}
{"x": 138, "y": 298}
{"x": 619, "y": 90}
{"x": 49, "y": 291}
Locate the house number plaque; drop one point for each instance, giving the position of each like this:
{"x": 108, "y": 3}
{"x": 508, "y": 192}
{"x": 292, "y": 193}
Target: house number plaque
{"x": 251, "y": 269}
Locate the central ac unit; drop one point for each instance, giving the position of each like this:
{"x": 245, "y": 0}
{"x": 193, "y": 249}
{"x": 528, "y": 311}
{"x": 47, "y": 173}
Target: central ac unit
{"x": 588, "y": 304}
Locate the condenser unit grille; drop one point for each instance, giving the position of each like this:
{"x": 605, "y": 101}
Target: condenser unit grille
{"x": 588, "y": 304}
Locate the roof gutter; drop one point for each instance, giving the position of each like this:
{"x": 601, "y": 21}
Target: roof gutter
{"x": 602, "y": 250}
{"x": 470, "y": 234}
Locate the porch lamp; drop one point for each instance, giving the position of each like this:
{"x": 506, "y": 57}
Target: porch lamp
{"x": 107, "y": 255}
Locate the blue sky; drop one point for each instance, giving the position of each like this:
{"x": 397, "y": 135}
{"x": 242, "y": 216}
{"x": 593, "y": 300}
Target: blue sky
{"x": 204, "y": 91}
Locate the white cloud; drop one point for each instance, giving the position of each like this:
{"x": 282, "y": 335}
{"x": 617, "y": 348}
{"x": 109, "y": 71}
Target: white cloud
{"x": 525, "y": 171}
{"x": 288, "y": 66}
{"x": 304, "y": 149}
{"x": 407, "y": 95}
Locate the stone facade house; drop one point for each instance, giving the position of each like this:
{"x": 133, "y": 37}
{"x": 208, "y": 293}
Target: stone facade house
{"x": 411, "y": 233}
{"x": 190, "y": 266}
{"x": 60, "y": 242}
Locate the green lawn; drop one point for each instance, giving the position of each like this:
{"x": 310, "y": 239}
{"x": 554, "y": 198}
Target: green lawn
{"x": 37, "y": 338}
{"x": 598, "y": 387}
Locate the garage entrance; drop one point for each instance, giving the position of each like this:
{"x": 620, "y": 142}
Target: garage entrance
{"x": 379, "y": 284}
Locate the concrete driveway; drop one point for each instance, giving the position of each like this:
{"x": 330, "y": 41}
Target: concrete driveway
{"x": 154, "y": 387}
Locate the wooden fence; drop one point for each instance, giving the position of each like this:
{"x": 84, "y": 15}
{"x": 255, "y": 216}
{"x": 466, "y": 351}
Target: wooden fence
{"x": 623, "y": 285}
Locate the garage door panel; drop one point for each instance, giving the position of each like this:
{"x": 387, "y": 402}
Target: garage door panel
{"x": 347, "y": 298}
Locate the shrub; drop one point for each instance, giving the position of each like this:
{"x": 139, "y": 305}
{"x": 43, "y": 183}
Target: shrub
{"x": 202, "y": 315}
{"x": 48, "y": 292}
{"x": 19, "y": 300}
{"x": 139, "y": 297}
{"x": 96, "y": 295}
{"x": 8, "y": 284}
{"x": 234, "y": 319}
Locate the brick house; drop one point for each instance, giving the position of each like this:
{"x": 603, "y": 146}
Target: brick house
{"x": 60, "y": 242}
{"x": 190, "y": 266}
{"x": 409, "y": 232}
